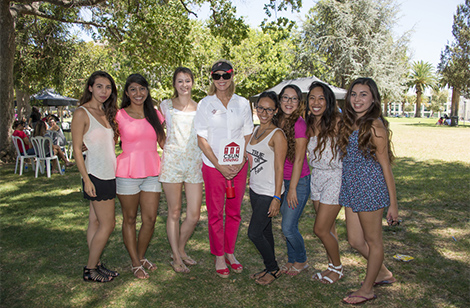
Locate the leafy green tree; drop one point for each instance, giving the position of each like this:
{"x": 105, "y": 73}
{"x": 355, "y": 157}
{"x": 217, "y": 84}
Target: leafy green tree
{"x": 455, "y": 59}
{"x": 343, "y": 40}
{"x": 421, "y": 77}
{"x": 150, "y": 36}
{"x": 438, "y": 100}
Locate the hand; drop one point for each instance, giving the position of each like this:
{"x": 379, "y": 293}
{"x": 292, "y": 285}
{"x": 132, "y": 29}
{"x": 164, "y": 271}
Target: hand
{"x": 227, "y": 171}
{"x": 292, "y": 201}
{"x": 90, "y": 188}
{"x": 392, "y": 216}
{"x": 237, "y": 168}
{"x": 274, "y": 208}
{"x": 84, "y": 148}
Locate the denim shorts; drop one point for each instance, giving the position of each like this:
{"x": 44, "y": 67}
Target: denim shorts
{"x": 128, "y": 186}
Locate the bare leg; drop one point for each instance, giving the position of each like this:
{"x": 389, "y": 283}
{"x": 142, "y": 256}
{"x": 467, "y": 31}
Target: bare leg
{"x": 325, "y": 220}
{"x": 173, "y": 198}
{"x": 129, "y": 205}
{"x": 149, "y": 207}
{"x": 104, "y": 211}
{"x": 316, "y": 205}
{"x": 193, "y": 211}
{"x": 371, "y": 223}
{"x": 93, "y": 225}
{"x": 357, "y": 241}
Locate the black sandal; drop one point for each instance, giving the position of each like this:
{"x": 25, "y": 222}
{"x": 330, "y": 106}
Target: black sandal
{"x": 107, "y": 271}
{"x": 94, "y": 274}
{"x": 259, "y": 274}
{"x": 276, "y": 274}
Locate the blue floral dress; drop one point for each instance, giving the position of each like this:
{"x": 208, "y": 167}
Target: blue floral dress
{"x": 363, "y": 186}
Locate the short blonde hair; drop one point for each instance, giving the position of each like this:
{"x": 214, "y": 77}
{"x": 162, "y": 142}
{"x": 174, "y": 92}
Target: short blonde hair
{"x": 231, "y": 88}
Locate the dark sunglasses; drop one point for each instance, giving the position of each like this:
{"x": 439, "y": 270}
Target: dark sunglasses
{"x": 225, "y": 76}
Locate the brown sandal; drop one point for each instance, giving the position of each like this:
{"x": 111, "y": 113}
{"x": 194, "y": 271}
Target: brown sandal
{"x": 179, "y": 268}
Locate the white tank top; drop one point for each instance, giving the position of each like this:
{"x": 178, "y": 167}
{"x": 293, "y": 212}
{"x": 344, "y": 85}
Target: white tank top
{"x": 262, "y": 174}
{"x": 100, "y": 157}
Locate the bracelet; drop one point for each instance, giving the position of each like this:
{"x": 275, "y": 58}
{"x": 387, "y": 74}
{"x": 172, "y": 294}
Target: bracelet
{"x": 276, "y": 197}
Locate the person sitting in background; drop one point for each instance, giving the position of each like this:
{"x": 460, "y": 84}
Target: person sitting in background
{"x": 18, "y": 127}
{"x": 56, "y": 133}
{"x": 41, "y": 131}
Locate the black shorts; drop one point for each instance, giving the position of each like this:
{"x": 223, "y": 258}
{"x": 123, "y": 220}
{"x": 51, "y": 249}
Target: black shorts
{"x": 105, "y": 189}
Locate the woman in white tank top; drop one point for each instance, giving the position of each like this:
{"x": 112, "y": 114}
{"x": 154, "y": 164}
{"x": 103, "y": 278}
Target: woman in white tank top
{"x": 267, "y": 153}
{"x": 93, "y": 125}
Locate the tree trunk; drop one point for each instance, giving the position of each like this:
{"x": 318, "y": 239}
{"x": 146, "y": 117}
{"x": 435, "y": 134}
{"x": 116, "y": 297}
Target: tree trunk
{"x": 385, "y": 102}
{"x": 22, "y": 104}
{"x": 418, "y": 104}
{"x": 403, "y": 107}
{"x": 7, "y": 56}
{"x": 454, "y": 110}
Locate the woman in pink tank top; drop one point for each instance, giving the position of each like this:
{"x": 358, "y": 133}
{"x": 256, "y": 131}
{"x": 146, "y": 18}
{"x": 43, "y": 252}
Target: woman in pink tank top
{"x": 138, "y": 168}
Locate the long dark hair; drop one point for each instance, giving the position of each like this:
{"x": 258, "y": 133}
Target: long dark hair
{"x": 364, "y": 123}
{"x": 272, "y": 96}
{"x": 327, "y": 123}
{"x": 288, "y": 123}
{"x": 40, "y": 129}
{"x": 109, "y": 106}
{"x": 149, "y": 109}
{"x": 178, "y": 70}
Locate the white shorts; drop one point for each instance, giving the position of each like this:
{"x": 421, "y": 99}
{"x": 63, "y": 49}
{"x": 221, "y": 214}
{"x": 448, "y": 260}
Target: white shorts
{"x": 128, "y": 186}
{"x": 325, "y": 185}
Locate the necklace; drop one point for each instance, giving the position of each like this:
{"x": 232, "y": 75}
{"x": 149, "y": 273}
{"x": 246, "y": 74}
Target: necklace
{"x": 259, "y": 136}
{"x": 136, "y": 114}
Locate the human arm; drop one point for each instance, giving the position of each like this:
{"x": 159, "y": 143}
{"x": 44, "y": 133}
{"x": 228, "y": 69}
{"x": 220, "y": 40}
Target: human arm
{"x": 380, "y": 139}
{"x": 80, "y": 124}
{"x": 279, "y": 143}
{"x": 300, "y": 150}
{"x": 161, "y": 118}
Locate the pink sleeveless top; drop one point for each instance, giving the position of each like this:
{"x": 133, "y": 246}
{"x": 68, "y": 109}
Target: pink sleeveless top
{"x": 139, "y": 157}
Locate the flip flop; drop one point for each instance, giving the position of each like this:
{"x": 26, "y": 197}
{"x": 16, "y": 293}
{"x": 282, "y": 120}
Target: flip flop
{"x": 385, "y": 282}
{"x": 361, "y": 302}
{"x": 294, "y": 271}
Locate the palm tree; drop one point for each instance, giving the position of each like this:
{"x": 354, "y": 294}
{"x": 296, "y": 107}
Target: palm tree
{"x": 422, "y": 76}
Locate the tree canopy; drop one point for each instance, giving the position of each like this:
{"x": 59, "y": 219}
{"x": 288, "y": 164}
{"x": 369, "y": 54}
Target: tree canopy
{"x": 344, "y": 40}
{"x": 455, "y": 58}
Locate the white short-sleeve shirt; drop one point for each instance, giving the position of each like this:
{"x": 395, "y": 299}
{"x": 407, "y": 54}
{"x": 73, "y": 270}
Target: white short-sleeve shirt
{"x": 214, "y": 122}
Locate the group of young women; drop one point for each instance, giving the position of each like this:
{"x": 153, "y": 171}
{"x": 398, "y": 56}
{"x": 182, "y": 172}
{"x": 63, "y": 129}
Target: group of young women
{"x": 349, "y": 156}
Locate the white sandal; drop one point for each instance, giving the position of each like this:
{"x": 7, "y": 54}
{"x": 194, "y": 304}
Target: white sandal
{"x": 335, "y": 269}
{"x": 148, "y": 265}
{"x": 140, "y": 268}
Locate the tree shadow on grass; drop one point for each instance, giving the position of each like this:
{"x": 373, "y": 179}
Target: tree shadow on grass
{"x": 43, "y": 244}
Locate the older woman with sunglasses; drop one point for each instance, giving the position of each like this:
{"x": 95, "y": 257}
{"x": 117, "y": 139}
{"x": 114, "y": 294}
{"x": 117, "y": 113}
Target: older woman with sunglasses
{"x": 223, "y": 115}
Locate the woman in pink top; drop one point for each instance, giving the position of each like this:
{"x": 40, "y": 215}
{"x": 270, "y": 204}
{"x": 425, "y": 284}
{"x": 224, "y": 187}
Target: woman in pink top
{"x": 296, "y": 176}
{"x": 138, "y": 168}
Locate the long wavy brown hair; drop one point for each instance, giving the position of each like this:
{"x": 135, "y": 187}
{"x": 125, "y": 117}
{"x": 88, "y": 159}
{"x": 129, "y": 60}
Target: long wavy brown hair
{"x": 350, "y": 121}
{"x": 109, "y": 106}
{"x": 149, "y": 109}
{"x": 287, "y": 123}
{"x": 328, "y": 121}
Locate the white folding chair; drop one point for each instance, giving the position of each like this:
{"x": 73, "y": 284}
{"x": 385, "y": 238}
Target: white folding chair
{"x": 21, "y": 157}
{"x": 44, "y": 153}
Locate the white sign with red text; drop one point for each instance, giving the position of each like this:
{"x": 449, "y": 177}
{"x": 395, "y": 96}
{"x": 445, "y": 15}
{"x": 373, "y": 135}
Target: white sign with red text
{"x": 231, "y": 151}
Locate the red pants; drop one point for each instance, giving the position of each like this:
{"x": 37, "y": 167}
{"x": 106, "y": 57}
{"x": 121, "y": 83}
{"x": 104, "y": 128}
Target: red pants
{"x": 222, "y": 240}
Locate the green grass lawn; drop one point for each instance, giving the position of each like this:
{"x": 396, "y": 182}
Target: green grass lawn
{"x": 43, "y": 246}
